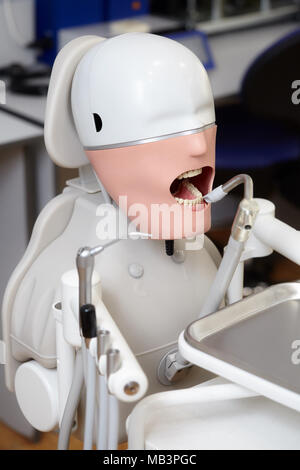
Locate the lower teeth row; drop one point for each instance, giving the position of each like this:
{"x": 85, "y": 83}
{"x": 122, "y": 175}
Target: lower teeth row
{"x": 189, "y": 202}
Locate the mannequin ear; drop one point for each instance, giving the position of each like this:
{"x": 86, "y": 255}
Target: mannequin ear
{"x": 61, "y": 138}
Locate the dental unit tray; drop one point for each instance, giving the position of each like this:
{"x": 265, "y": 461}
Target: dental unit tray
{"x": 254, "y": 342}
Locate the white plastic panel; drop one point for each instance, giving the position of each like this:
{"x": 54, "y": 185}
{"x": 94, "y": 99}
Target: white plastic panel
{"x": 61, "y": 137}
{"x": 247, "y": 424}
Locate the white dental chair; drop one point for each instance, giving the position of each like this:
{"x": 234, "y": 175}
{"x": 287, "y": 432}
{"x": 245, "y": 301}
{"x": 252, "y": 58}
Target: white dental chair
{"x": 141, "y": 294}
{"x": 40, "y": 345}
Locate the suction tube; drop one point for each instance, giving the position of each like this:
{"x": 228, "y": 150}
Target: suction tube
{"x": 227, "y": 268}
{"x": 71, "y": 405}
{"x": 241, "y": 228}
{"x": 220, "y": 192}
{"x": 246, "y": 180}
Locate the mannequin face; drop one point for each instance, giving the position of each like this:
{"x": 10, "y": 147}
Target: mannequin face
{"x": 159, "y": 184}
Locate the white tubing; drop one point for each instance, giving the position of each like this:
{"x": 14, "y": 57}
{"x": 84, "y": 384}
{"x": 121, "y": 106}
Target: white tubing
{"x": 84, "y": 358}
{"x": 130, "y": 370}
{"x": 236, "y": 286}
{"x": 71, "y": 405}
{"x": 90, "y": 401}
{"x": 65, "y": 362}
{"x": 113, "y": 422}
{"x": 102, "y": 413}
{"x": 278, "y": 236}
{"x": 226, "y": 270}
{"x": 160, "y": 401}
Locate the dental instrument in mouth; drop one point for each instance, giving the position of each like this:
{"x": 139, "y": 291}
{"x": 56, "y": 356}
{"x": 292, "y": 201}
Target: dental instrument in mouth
{"x": 190, "y": 186}
{"x": 221, "y": 191}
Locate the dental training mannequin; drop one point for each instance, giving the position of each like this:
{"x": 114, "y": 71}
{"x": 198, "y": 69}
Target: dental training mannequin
{"x": 139, "y": 109}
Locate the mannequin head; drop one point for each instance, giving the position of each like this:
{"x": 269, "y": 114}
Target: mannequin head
{"x": 147, "y": 124}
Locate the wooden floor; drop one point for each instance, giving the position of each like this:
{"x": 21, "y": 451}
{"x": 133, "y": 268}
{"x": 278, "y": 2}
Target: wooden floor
{"x": 10, "y": 440}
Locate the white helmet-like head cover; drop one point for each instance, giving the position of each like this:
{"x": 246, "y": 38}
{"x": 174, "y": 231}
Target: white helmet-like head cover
{"x": 139, "y": 87}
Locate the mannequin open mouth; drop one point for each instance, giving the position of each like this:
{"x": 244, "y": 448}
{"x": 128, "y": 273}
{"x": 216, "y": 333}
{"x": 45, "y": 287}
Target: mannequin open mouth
{"x": 190, "y": 187}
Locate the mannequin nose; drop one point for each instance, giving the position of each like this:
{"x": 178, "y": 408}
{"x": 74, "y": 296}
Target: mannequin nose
{"x": 198, "y": 144}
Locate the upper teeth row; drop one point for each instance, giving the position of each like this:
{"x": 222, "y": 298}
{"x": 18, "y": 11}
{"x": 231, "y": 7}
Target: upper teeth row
{"x": 190, "y": 173}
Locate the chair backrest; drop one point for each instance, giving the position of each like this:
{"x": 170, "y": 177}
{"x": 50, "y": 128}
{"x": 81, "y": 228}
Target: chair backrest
{"x": 267, "y": 86}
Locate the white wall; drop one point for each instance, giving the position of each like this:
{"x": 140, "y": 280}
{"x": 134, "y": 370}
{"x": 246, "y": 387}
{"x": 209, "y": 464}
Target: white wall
{"x": 10, "y": 51}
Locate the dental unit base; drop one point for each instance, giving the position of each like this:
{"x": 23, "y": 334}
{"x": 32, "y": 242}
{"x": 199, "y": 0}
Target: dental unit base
{"x": 150, "y": 315}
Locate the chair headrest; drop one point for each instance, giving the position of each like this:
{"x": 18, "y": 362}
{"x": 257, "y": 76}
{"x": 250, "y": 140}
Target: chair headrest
{"x": 61, "y": 139}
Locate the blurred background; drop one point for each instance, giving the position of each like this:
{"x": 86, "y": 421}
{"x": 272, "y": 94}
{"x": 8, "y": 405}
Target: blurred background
{"x": 251, "y": 50}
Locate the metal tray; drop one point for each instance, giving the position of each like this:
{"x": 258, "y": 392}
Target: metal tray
{"x": 259, "y": 337}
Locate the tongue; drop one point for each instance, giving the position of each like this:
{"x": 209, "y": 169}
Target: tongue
{"x": 184, "y": 193}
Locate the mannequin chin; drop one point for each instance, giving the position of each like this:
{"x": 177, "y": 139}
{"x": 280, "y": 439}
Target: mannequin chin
{"x": 145, "y": 180}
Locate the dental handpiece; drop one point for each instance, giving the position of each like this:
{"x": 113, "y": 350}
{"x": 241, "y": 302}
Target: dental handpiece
{"x": 85, "y": 266}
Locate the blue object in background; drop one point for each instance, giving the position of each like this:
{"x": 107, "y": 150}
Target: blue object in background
{"x": 264, "y": 129}
{"x": 53, "y": 15}
{"x": 245, "y": 142}
{"x": 119, "y": 9}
